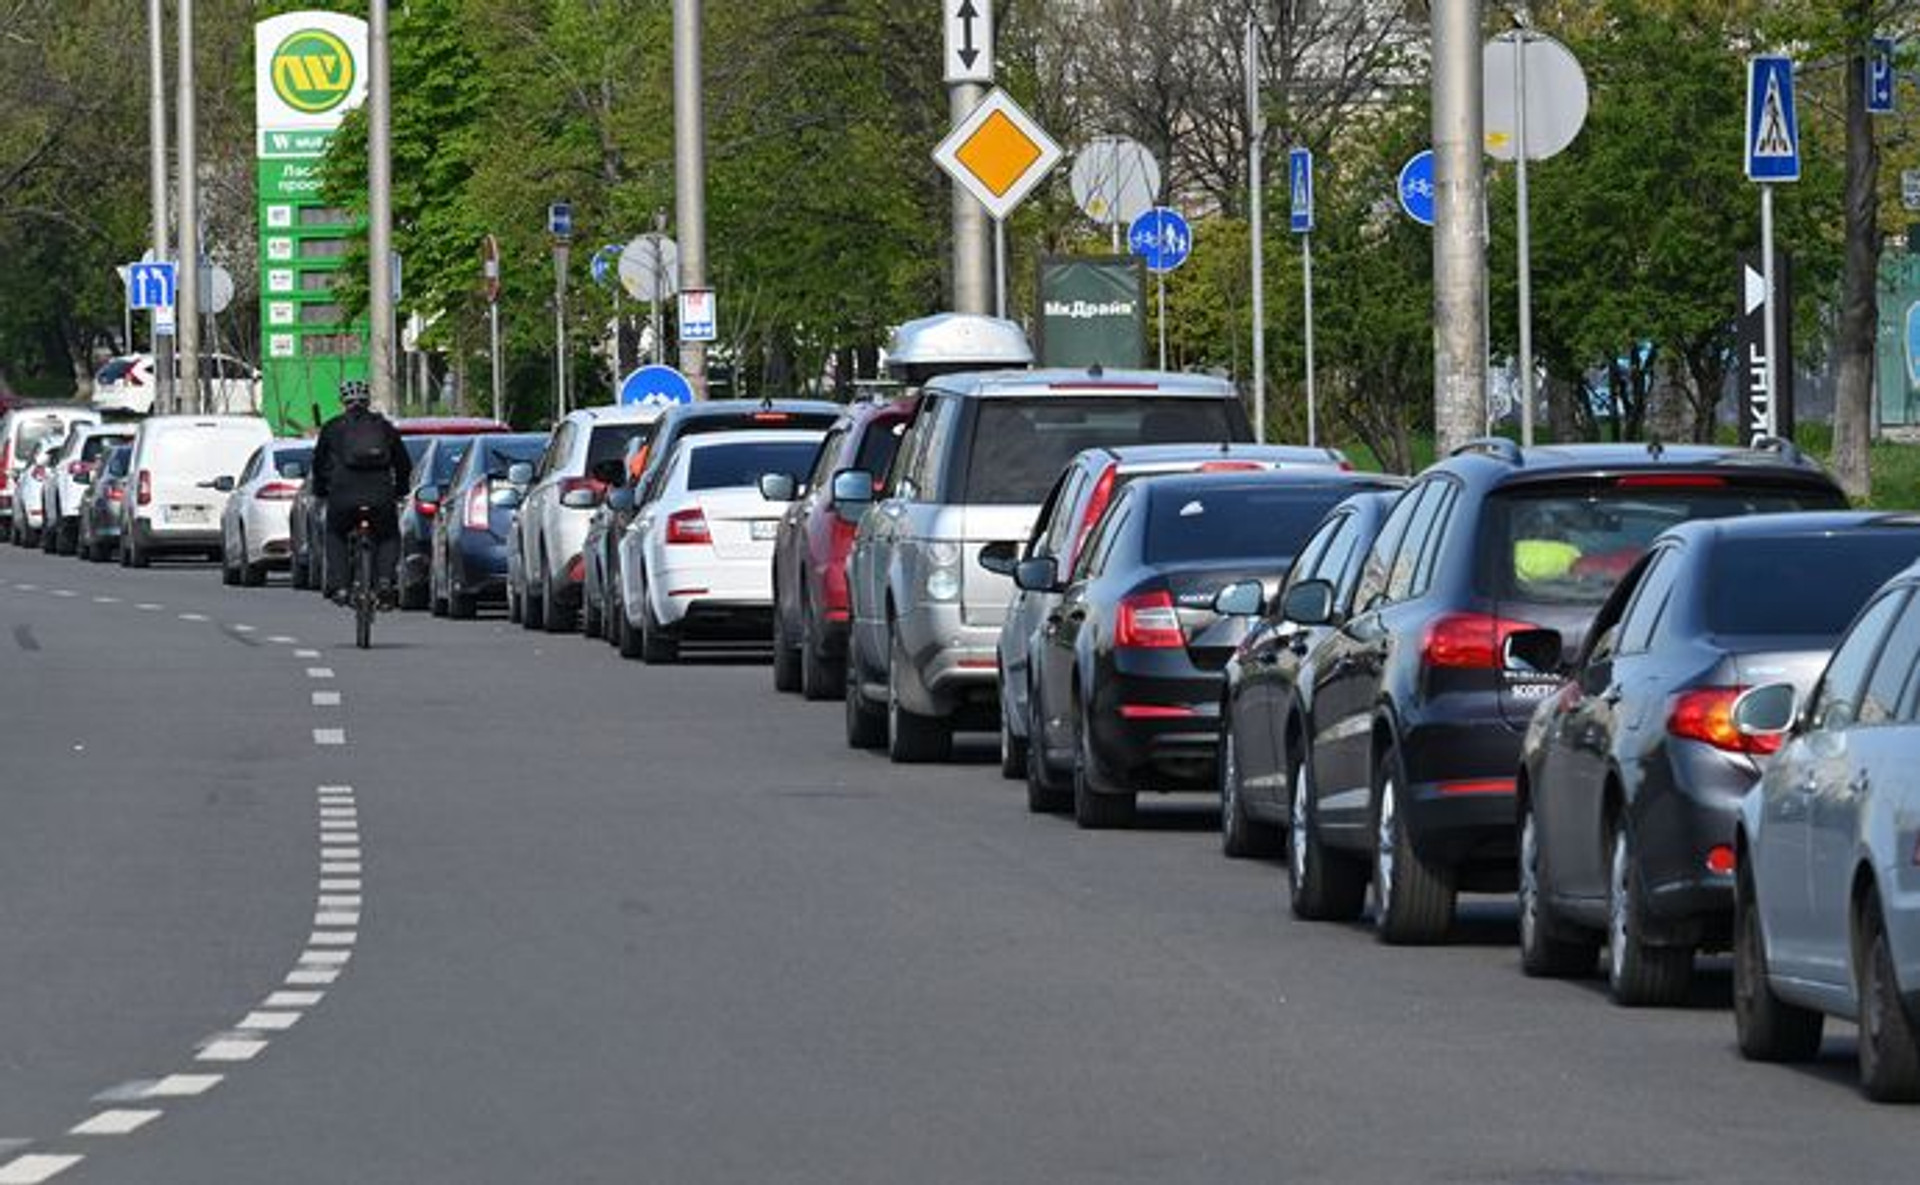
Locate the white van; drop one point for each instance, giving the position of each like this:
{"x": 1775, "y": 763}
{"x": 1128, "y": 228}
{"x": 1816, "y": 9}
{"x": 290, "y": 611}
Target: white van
{"x": 182, "y": 470}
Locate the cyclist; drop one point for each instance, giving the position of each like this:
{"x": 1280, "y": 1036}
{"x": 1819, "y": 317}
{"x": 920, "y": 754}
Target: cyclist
{"x": 360, "y": 466}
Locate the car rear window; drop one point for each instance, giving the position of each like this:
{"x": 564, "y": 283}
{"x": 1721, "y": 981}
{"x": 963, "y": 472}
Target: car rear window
{"x": 94, "y": 447}
{"x": 36, "y": 433}
{"x": 293, "y": 463}
{"x": 446, "y": 459}
{"x": 726, "y": 466}
{"x": 1801, "y": 584}
{"x": 111, "y": 372}
{"x": 878, "y": 446}
{"x": 120, "y": 461}
{"x": 202, "y": 452}
{"x": 502, "y": 455}
{"x": 1019, "y": 446}
{"x": 609, "y": 442}
{"x": 1570, "y": 547}
{"x": 1197, "y": 523}
{"x": 416, "y": 447}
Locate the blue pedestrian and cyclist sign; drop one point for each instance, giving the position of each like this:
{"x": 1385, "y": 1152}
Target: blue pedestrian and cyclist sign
{"x": 1416, "y": 188}
{"x": 1773, "y": 128}
{"x": 1161, "y": 238}
{"x": 656, "y": 386}
{"x": 1300, "y": 171}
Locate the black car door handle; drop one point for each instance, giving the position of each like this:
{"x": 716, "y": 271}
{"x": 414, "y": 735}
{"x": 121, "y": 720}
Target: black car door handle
{"x": 1266, "y": 658}
{"x": 1611, "y": 696}
{"x": 1077, "y": 616}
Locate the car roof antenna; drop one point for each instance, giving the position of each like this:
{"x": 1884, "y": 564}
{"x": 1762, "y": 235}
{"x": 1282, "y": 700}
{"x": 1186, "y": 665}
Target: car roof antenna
{"x": 1655, "y": 448}
{"x": 1096, "y": 370}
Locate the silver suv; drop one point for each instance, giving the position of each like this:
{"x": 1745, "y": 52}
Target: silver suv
{"x": 978, "y": 459}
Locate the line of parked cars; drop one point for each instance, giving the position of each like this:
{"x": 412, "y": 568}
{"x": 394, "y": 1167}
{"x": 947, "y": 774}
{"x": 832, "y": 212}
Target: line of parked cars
{"x": 1665, "y": 697}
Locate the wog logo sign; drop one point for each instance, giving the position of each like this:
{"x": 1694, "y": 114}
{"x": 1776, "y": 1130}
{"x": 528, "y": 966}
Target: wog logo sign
{"x": 313, "y": 71}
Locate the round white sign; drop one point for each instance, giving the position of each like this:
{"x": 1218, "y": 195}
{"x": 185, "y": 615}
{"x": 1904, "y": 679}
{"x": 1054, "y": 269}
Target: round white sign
{"x": 1115, "y": 180}
{"x": 650, "y": 267}
{"x": 1556, "y": 96}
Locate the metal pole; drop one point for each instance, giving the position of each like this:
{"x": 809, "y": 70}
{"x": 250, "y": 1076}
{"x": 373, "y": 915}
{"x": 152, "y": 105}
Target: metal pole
{"x": 562, "y": 402}
{"x": 1162, "y": 278}
{"x": 1306, "y": 280}
{"x": 619, "y": 331}
{"x": 380, "y": 310}
{"x": 999, "y": 268}
{"x": 493, "y": 351}
{"x": 1459, "y": 238}
{"x": 1523, "y": 236}
{"x": 157, "y": 180}
{"x": 1768, "y": 332}
{"x": 187, "y": 308}
{"x": 972, "y": 242}
{"x": 690, "y": 173}
{"x": 1257, "y": 214}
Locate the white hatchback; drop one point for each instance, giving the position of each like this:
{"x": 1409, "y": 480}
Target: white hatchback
{"x": 68, "y": 478}
{"x": 255, "y": 537}
{"x": 698, "y": 561}
{"x": 178, "y": 462}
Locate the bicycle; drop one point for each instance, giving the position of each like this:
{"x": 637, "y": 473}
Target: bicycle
{"x": 363, "y": 593}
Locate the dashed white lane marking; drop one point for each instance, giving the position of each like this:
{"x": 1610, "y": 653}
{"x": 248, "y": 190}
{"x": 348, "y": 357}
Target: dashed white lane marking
{"x": 149, "y": 606}
{"x": 339, "y": 901}
{"x": 106, "y": 600}
{"x": 173, "y": 1086}
{"x": 243, "y": 629}
{"x": 311, "y": 976}
{"x": 325, "y": 958}
{"x": 269, "y": 1022}
{"x": 64, "y": 592}
{"x": 319, "y": 672}
{"x": 306, "y": 654}
{"x": 338, "y": 812}
{"x": 337, "y": 917}
{"x": 349, "y": 823}
{"x": 34, "y": 1168}
{"x": 281, "y": 640}
{"x": 347, "y": 884}
{"x": 293, "y": 999}
{"x": 329, "y": 736}
{"x": 27, "y": 587}
{"x": 193, "y": 617}
{"x": 232, "y": 1049}
{"x": 333, "y": 938}
{"x": 341, "y": 867}
{"x": 115, "y": 1123}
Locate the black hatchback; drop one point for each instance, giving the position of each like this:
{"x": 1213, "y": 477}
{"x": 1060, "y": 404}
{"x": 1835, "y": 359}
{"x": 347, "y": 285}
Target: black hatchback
{"x": 1126, "y": 669}
{"x": 1631, "y": 776}
{"x": 1491, "y": 564}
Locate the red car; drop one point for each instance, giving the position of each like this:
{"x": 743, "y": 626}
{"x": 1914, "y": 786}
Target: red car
{"x": 810, "y": 606}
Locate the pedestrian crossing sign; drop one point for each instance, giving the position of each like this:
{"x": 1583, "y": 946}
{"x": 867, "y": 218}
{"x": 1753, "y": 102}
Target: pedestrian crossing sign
{"x": 1773, "y": 127}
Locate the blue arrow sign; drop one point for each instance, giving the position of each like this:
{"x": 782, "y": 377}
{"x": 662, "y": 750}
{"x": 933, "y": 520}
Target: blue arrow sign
{"x": 1416, "y": 188}
{"x": 150, "y": 285}
{"x": 1161, "y": 238}
{"x": 1880, "y": 77}
{"x": 655, "y": 386}
{"x": 1773, "y": 128}
{"x": 560, "y": 220}
{"x": 1300, "y": 169}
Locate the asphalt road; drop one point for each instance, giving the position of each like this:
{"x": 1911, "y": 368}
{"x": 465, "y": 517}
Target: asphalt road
{"x": 513, "y": 910}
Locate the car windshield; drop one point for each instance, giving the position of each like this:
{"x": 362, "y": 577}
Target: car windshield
{"x": 732, "y": 465}
{"x": 609, "y": 442}
{"x": 1801, "y": 584}
{"x": 36, "y": 433}
{"x": 1189, "y": 524}
{"x": 1571, "y": 548}
{"x": 416, "y": 447}
{"x": 1019, "y": 446}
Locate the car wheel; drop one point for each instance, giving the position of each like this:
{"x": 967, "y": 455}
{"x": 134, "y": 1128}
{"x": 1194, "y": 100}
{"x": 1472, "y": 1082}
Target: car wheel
{"x": 229, "y": 570}
{"x": 866, "y": 724}
{"x": 252, "y": 575}
{"x": 1092, "y": 810}
{"x": 1241, "y": 837}
{"x": 136, "y": 555}
{"x": 786, "y": 655}
{"x": 656, "y": 644}
{"x": 1769, "y": 1028}
{"x": 1639, "y": 974}
{"x": 1412, "y": 901}
{"x": 593, "y": 615}
{"x": 1889, "y": 1055}
{"x": 625, "y": 638}
{"x": 413, "y": 596}
{"x": 1323, "y": 884}
{"x": 912, "y": 739}
{"x": 1013, "y": 749}
{"x": 822, "y": 676}
{"x": 557, "y": 617}
{"x": 69, "y": 541}
{"x": 1047, "y": 793}
{"x": 532, "y": 609}
{"x": 1545, "y": 950}
{"x": 50, "y": 538}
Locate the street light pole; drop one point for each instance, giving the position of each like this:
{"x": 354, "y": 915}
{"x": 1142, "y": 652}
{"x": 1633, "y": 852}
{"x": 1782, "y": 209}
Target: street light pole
{"x": 380, "y": 302}
{"x": 1459, "y": 238}
{"x": 157, "y": 179}
{"x": 690, "y": 173}
{"x": 1256, "y": 133}
{"x": 187, "y": 284}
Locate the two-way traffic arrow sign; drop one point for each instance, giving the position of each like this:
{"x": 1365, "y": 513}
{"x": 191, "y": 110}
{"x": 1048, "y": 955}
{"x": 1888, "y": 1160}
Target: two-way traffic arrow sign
{"x": 969, "y": 40}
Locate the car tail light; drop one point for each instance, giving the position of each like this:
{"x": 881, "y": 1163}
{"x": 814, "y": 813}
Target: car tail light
{"x": 688, "y": 526}
{"x": 1096, "y": 506}
{"x": 429, "y": 509}
{"x": 1469, "y": 641}
{"x": 1475, "y": 787}
{"x": 478, "y": 515}
{"x": 1155, "y": 712}
{"x": 145, "y": 496}
{"x": 278, "y": 491}
{"x": 133, "y": 378}
{"x": 79, "y": 468}
{"x": 1721, "y": 860}
{"x": 115, "y": 493}
{"x": 6, "y": 463}
{"x": 1669, "y": 481}
{"x": 1233, "y": 467}
{"x": 1148, "y": 621}
{"x": 1705, "y": 714}
{"x": 577, "y": 570}
{"x": 39, "y": 473}
{"x": 771, "y": 417}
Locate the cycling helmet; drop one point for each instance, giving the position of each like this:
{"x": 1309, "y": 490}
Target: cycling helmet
{"x": 354, "y": 391}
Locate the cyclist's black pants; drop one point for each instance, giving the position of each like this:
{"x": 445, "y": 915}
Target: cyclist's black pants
{"x": 342, "y": 517}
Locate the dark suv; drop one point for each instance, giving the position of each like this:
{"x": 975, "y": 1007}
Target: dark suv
{"x": 1483, "y": 578}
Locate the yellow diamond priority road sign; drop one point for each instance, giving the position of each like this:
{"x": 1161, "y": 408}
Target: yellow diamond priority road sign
{"x": 998, "y": 153}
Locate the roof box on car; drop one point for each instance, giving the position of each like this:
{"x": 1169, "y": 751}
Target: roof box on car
{"x": 948, "y": 343}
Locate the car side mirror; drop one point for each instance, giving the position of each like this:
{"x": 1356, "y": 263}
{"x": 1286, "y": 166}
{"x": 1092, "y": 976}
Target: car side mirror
{"x": 219, "y": 485}
{"x": 852, "y": 494}
{"x": 1040, "y": 574}
{"x": 520, "y": 473}
{"x": 427, "y": 493}
{"x": 1533, "y": 652}
{"x": 620, "y": 500}
{"x": 506, "y": 497}
{"x": 1767, "y": 711}
{"x": 1309, "y": 602}
{"x": 609, "y": 472}
{"x": 581, "y": 498}
{"x": 1000, "y": 558}
{"x": 1243, "y": 599}
{"x": 778, "y": 487}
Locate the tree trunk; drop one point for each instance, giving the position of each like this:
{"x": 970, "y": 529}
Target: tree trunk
{"x": 1859, "y": 305}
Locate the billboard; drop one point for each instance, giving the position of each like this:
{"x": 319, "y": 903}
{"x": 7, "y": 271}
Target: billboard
{"x": 1093, "y": 310}
{"x": 310, "y": 71}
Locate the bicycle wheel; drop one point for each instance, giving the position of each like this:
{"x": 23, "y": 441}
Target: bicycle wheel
{"x": 363, "y": 604}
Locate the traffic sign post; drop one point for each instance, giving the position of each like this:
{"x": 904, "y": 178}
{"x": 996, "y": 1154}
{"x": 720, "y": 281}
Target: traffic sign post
{"x": 602, "y": 265}
{"x": 998, "y": 154}
{"x": 490, "y": 284}
{"x": 1300, "y": 187}
{"x": 560, "y": 227}
{"x": 1773, "y": 156}
{"x": 1163, "y": 240}
{"x": 650, "y": 271}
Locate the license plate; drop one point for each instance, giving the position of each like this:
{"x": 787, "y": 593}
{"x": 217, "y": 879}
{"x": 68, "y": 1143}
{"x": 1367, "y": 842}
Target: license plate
{"x": 188, "y": 514}
{"x": 766, "y": 528}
